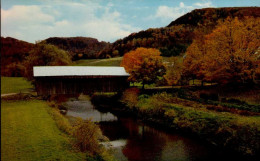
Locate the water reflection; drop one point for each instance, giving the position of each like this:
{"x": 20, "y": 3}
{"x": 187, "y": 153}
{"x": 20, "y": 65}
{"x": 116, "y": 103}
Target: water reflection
{"x": 85, "y": 110}
{"x": 147, "y": 143}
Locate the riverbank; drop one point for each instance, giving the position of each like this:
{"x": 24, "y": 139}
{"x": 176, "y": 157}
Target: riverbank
{"x": 28, "y": 132}
{"x": 33, "y": 129}
{"x": 230, "y": 131}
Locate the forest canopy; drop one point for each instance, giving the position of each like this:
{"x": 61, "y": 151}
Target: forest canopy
{"x": 229, "y": 54}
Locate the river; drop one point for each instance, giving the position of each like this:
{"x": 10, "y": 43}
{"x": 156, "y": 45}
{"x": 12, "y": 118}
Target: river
{"x": 133, "y": 140}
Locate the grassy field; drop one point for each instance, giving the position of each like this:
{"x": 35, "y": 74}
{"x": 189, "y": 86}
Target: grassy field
{"x": 105, "y": 62}
{"x": 100, "y": 62}
{"x": 29, "y": 133}
{"x": 15, "y": 85}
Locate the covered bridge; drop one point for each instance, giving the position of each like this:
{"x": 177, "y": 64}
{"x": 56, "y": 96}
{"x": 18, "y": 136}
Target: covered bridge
{"x": 79, "y": 79}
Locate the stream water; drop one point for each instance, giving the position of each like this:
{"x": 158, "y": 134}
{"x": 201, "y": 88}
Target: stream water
{"x": 133, "y": 140}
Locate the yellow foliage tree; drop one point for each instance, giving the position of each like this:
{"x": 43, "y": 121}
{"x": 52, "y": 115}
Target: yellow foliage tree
{"x": 228, "y": 54}
{"x": 174, "y": 71}
{"x": 145, "y": 65}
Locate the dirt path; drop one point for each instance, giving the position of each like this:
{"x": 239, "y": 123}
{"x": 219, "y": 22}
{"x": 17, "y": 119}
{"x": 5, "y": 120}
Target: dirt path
{"x": 8, "y": 94}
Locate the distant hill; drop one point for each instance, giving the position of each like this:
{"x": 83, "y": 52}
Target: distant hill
{"x": 13, "y": 52}
{"x": 208, "y": 16}
{"x": 174, "y": 39}
{"x": 78, "y": 47}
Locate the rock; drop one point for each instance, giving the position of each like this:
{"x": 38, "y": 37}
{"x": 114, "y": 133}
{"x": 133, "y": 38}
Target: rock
{"x": 63, "y": 112}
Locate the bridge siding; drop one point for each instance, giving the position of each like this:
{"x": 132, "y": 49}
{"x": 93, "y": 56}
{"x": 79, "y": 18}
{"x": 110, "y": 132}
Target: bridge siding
{"x": 80, "y": 84}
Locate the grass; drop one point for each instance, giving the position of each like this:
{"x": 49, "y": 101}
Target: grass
{"x": 15, "y": 85}
{"x": 29, "y": 133}
{"x": 100, "y": 62}
{"x": 105, "y": 62}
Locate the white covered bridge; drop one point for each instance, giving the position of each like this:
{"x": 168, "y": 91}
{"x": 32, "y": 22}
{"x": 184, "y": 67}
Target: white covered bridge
{"x": 79, "y": 79}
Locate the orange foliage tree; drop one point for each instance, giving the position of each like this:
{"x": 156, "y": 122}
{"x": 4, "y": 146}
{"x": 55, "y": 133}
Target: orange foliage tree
{"x": 174, "y": 71}
{"x": 145, "y": 65}
{"x": 228, "y": 54}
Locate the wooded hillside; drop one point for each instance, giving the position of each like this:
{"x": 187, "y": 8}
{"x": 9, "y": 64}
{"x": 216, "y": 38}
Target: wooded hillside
{"x": 13, "y": 52}
{"x": 78, "y": 47}
{"x": 179, "y": 34}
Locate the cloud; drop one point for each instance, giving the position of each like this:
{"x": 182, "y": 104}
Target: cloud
{"x": 203, "y": 5}
{"x": 31, "y": 23}
{"x": 29, "y": 14}
{"x": 167, "y": 14}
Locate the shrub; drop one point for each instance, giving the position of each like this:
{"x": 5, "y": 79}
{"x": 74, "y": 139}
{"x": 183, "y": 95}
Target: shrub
{"x": 170, "y": 114}
{"x": 86, "y": 135}
{"x": 130, "y": 97}
{"x": 154, "y": 105}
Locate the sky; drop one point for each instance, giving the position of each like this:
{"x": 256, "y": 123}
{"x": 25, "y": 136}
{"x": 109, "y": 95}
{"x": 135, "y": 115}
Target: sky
{"x": 106, "y": 20}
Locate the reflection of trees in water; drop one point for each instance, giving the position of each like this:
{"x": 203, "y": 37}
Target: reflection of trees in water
{"x": 85, "y": 110}
{"x": 79, "y": 106}
{"x": 144, "y": 143}
{"x": 114, "y": 130}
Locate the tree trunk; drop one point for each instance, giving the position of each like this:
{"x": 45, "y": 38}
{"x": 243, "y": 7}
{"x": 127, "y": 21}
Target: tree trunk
{"x": 143, "y": 86}
{"x": 253, "y": 78}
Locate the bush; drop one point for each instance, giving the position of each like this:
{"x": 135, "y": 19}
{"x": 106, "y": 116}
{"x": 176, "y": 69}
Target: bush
{"x": 86, "y": 135}
{"x": 154, "y": 105}
{"x": 130, "y": 97}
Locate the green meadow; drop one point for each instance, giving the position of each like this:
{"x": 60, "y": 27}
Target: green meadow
{"x": 28, "y": 132}
{"x": 99, "y": 62}
{"x": 15, "y": 85}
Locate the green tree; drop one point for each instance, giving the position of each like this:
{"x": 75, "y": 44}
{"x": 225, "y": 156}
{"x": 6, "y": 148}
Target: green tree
{"x": 45, "y": 55}
{"x": 145, "y": 65}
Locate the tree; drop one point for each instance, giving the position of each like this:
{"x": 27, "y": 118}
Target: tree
{"x": 174, "y": 71}
{"x": 228, "y": 54}
{"x": 194, "y": 59}
{"x": 45, "y": 55}
{"x": 144, "y": 65}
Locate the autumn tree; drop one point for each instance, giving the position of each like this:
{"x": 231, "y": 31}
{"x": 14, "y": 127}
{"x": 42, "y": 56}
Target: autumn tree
{"x": 228, "y": 54}
{"x": 194, "y": 59}
{"x": 145, "y": 65}
{"x": 174, "y": 71}
{"x": 45, "y": 55}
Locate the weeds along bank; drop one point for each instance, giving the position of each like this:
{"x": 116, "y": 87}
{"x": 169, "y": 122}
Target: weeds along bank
{"x": 229, "y": 129}
{"x": 85, "y": 134}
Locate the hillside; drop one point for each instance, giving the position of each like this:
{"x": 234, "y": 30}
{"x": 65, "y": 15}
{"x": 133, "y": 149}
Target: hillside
{"x": 173, "y": 39}
{"x": 78, "y": 47}
{"x": 212, "y": 15}
{"x": 13, "y": 52}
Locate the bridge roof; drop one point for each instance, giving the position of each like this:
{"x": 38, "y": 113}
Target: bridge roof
{"x": 48, "y": 71}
